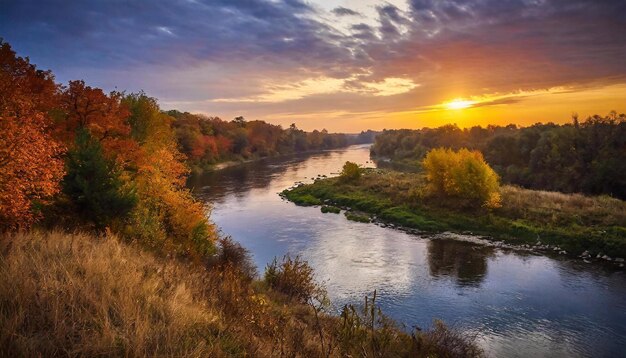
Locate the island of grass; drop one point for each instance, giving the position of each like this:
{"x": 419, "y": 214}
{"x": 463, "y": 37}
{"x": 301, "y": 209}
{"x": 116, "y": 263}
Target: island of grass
{"x": 575, "y": 223}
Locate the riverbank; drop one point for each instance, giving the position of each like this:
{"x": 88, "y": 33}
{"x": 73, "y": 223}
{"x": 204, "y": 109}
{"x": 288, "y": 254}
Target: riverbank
{"x": 233, "y": 163}
{"x": 569, "y": 224}
{"x": 92, "y": 295}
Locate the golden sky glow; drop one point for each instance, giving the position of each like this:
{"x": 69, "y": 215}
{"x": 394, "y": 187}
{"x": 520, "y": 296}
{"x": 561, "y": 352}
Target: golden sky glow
{"x": 458, "y": 103}
{"x": 540, "y": 106}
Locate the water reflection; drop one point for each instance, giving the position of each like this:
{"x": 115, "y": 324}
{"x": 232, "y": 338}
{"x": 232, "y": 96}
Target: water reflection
{"x": 238, "y": 180}
{"x": 466, "y": 263}
{"x": 519, "y": 304}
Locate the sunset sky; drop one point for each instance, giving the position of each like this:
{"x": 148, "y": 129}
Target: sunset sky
{"x": 344, "y": 65}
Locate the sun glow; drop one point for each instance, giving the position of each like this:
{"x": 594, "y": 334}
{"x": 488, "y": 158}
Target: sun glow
{"x": 459, "y": 103}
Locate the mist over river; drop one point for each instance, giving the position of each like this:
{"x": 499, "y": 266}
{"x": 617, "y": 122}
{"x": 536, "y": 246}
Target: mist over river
{"x": 519, "y": 304}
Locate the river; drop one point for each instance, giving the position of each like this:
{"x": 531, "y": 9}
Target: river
{"x": 518, "y": 304}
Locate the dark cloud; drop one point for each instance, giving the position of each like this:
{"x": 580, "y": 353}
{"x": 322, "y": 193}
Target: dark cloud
{"x": 390, "y": 19}
{"x": 501, "y": 45}
{"x": 344, "y": 11}
{"x": 120, "y": 33}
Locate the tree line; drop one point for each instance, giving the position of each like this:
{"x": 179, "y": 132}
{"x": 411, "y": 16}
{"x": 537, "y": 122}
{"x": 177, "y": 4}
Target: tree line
{"x": 586, "y": 156}
{"x": 209, "y": 140}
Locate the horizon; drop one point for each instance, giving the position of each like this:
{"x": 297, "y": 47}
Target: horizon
{"x": 342, "y": 65}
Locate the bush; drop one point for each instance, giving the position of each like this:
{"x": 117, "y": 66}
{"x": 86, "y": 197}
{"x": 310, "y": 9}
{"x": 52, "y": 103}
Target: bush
{"x": 350, "y": 172}
{"x": 463, "y": 176}
{"x": 232, "y": 254}
{"x": 330, "y": 209}
{"x": 294, "y": 278}
{"x": 442, "y": 341}
{"x": 366, "y": 331}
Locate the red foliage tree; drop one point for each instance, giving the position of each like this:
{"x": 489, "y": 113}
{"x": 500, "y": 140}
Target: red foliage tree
{"x": 30, "y": 163}
{"x": 104, "y": 116}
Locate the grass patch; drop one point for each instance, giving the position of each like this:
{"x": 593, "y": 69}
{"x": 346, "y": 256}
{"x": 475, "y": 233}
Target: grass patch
{"x": 330, "y": 209}
{"x": 303, "y": 199}
{"x": 574, "y": 222}
{"x": 358, "y": 217}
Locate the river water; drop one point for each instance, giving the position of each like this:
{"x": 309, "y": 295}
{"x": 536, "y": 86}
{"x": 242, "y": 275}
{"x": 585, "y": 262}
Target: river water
{"x": 518, "y": 304}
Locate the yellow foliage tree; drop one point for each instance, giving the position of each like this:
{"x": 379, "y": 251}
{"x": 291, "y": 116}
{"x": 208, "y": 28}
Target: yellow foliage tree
{"x": 167, "y": 217}
{"x": 463, "y": 176}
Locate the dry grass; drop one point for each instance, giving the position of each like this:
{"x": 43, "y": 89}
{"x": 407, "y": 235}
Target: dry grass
{"x": 547, "y": 207}
{"x": 555, "y": 207}
{"x": 80, "y": 295}
{"x": 71, "y": 295}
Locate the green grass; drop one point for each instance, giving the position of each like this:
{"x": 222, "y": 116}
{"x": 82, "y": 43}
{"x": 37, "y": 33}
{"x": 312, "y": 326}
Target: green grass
{"x": 330, "y": 209}
{"x": 358, "y": 217}
{"x": 572, "y": 221}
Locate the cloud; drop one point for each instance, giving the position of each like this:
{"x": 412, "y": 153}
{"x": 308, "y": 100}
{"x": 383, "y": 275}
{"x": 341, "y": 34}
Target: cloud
{"x": 266, "y": 56}
{"x": 283, "y": 92}
{"x": 343, "y": 11}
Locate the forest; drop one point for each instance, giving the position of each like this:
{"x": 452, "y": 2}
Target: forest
{"x": 77, "y": 156}
{"x": 586, "y": 156}
{"x": 208, "y": 140}
{"x": 74, "y": 156}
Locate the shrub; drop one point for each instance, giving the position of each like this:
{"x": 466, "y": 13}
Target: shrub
{"x": 293, "y": 277}
{"x": 463, "y": 176}
{"x": 442, "y": 341}
{"x": 366, "y": 331}
{"x": 350, "y": 172}
{"x": 231, "y": 253}
{"x": 330, "y": 209}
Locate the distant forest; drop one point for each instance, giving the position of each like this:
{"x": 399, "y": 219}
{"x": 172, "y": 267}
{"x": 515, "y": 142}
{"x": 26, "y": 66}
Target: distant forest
{"x": 583, "y": 156}
{"x": 208, "y": 140}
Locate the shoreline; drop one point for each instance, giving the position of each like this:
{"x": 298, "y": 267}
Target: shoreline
{"x": 490, "y": 229}
{"x": 234, "y": 163}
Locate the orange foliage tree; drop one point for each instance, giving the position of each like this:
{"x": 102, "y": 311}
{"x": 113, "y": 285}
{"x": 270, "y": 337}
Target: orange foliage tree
{"x": 30, "y": 160}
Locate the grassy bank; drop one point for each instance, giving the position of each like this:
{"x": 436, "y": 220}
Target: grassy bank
{"x": 83, "y": 295}
{"x": 574, "y": 222}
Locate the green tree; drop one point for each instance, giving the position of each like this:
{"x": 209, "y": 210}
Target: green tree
{"x": 350, "y": 172}
{"x": 93, "y": 184}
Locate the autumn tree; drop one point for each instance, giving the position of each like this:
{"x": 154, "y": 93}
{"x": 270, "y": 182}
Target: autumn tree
{"x": 103, "y": 116}
{"x": 462, "y": 176}
{"x": 30, "y": 163}
{"x": 167, "y": 217}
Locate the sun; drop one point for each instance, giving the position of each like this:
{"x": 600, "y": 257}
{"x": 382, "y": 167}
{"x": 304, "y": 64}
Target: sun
{"x": 459, "y": 103}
